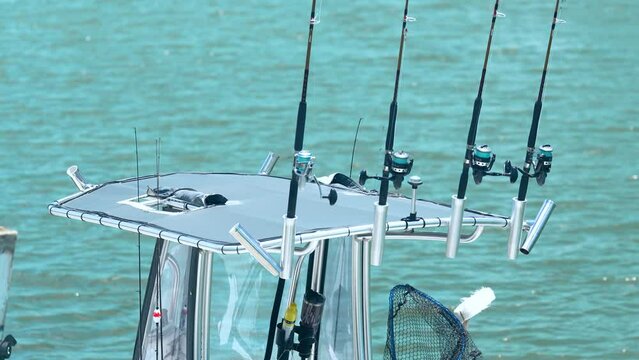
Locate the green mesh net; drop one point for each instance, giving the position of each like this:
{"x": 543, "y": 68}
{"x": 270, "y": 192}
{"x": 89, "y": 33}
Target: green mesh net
{"x": 421, "y": 328}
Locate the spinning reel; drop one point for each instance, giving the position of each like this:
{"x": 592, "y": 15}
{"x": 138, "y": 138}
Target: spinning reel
{"x": 542, "y": 164}
{"x": 400, "y": 166}
{"x": 483, "y": 161}
{"x": 303, "y": 164}
{"x": 303, "y": 168}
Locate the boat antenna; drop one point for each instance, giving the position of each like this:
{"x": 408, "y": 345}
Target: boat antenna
{"x": 543, "y": 162}
{"x": 158, "y": 142}
{"x": 137, "y": 181}
{"x": 288, "y": 235}
{"x": 457, "y": 207}
{"x": 396, "y": 164}
{"x": 350, "y": 173}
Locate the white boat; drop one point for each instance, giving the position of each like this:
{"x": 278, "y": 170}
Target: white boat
{"x": 336, "y": 230}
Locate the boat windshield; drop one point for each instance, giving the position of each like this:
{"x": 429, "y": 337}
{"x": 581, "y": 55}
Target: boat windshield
{"x": 242, "y": 298}
{"x": 170, "y": 339}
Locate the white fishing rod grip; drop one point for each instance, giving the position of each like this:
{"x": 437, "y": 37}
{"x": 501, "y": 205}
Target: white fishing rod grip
{"x": 454, "y": 226}
{"x": 379, "y": 234}
{"x": 516, "y": 224}
{"x": 288, "y": 248}
{"x": 538, "y": 226}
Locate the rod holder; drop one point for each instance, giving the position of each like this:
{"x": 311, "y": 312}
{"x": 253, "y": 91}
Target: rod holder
{"x": 516, "y": 224}
{"x": 454, "y": 227}
{"x": 379, "y": 234}
{"x": 253, "y": 246}
{"x": 74, "y": 173}
{"x": 535, "y": 230}
{"x": 288, "y": 247}
{"x": 268, "y": 164}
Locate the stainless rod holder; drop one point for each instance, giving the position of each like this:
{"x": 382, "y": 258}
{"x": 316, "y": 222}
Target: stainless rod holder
{"x": 268, "y": 164}
{"x": 288, "y": 247}
{"x": 253, "y": 246}
{"x": 366, "y": 313}
{"x": 535, "y": 230}
{"x": 74, "y": 173}
{"x": 292, "y": 290}
{"x": 516, "y": 224}
{"x": 356, "y": 299}
{"x": 379, "y": 233}
{"x": 454, "y": 227}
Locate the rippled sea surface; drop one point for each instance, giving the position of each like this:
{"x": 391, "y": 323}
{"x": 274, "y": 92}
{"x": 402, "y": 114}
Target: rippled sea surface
{"x": 219, "y": 82}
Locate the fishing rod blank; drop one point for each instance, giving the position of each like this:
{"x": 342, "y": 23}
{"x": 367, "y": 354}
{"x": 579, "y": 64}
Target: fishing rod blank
{"x": 302, "y": 164}
{"x": 544, "y": 157}
{"x": 396, "y": 164}
{"x": 480, "y": 159}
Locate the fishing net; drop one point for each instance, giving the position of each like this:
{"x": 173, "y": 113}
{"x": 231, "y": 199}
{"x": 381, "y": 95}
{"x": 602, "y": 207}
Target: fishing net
{"x": 419, "y": 327}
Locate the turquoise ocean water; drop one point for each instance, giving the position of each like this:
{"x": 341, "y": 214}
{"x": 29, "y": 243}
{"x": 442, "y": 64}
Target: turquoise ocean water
{"x": 220, "y": 81}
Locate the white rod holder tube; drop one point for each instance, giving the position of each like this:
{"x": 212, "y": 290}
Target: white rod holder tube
{"x": 366, "y": 314}
{"x": 253, "y": 246}
{"x": 268, "y": 164}
{"x": 356, "y": 299}
{"x": 516, "y": 224}
{"x": 288, "y": 247}
{"x": 379, "y": 233}
{"x": 454, "y": 227}
{"x": 74, "y": 173}
{"x": 535, "y": 230}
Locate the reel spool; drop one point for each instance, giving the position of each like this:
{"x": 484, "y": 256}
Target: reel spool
{"x": 401, "y": 165}
{"x": 483, "y": 160}
{"x": 303, "y": 165}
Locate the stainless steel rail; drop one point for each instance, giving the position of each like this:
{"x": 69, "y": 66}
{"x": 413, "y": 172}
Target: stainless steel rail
{"x": 271, "y": 245}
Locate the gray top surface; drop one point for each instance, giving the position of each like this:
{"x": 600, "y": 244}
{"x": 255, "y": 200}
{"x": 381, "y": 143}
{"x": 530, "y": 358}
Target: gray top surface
{"x": 257, "y": 202}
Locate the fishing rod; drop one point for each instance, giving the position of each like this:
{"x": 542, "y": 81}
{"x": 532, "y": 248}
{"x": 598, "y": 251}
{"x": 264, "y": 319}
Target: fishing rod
{"x": 396, "y": 164}
{"x": 302, "y": 164}
{"x": 480, "y": 159}
{"x": 543, "y": 162}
